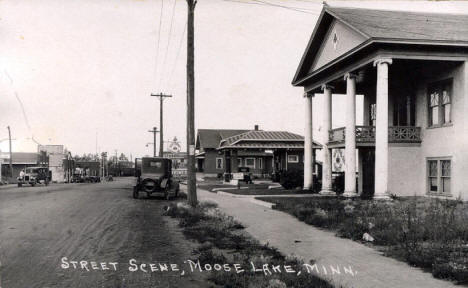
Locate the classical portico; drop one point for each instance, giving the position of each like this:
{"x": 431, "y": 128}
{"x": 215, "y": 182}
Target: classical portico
{"x": 411, "y": 85}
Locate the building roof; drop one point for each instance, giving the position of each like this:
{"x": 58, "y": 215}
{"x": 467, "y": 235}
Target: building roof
{"x": 384, "y": 26}
{"x": 20, "y": 158}
{"x": 259, "y": 139}
{"x": 210, "y": 138}
{"x": 404, "y": 25}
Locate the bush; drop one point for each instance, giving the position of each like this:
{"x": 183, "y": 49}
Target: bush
{"x": 292, "y": 179}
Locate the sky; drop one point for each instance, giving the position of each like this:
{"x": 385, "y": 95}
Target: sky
{"x": 80, "y": 73}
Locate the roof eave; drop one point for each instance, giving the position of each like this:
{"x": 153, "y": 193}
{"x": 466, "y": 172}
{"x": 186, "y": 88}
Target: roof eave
{"x": 378, "y": 40}
{"x": 304, "y": 55}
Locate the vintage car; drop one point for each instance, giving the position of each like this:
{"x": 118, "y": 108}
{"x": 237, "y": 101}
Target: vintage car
{"x": 154, "y": 176}
{"x": 35, "y": 175}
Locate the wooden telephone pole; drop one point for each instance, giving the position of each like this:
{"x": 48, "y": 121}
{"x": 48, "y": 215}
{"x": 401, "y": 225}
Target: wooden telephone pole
{"x": 154, "y": 131}
{"x": 11, "y": 152}
{"x": 161, "y": 127}
{"x": 191, "y": 176}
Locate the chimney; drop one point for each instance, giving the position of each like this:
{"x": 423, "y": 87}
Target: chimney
{"x": 256, "y": 127}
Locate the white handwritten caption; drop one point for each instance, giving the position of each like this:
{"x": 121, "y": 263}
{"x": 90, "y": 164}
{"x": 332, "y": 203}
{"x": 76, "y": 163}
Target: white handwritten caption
{"x": 267, "y": 269}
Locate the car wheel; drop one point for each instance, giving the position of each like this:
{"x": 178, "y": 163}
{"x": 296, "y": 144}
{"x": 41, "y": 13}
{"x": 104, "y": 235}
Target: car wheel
{"x": 135, "y": 192}
{"x": 33, "y": 184}
{"x": 148, "y": 194}
{"x": 20, "y": 184}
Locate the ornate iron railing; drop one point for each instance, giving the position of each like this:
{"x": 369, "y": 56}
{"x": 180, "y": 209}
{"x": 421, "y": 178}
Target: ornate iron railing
{"x": 366, "y": 134}
{"x": 404, "y": 134}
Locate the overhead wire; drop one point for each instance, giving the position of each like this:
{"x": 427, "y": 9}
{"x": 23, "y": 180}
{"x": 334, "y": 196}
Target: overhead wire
{"x": 168, "y": 44}
{"x": 159, "y": 39}
{"x": 177, "y": 55}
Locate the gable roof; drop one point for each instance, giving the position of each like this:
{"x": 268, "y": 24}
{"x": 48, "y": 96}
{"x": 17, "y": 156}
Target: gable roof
{"x": 265, "y": 140}
{"x": 210, "y": 138}
{"x": 386, "y": 25}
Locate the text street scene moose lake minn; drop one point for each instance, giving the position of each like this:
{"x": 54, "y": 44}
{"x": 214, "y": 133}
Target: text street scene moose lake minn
{"x": 233, "y": 143}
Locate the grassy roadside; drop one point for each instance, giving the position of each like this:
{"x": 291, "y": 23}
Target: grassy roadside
{"x": 224, "y": 242}
{"x": 428, "y": 233}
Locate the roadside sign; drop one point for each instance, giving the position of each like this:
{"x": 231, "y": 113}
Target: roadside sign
{"x": 237, "y": 176}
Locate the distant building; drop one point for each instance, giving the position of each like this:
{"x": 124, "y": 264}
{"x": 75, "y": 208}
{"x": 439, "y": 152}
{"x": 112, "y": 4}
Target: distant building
{"x": 56, "y": 154}
{"x": 208, "y": 159}
{"x": 263, "y": 152}
{"x": 20, "y": 161}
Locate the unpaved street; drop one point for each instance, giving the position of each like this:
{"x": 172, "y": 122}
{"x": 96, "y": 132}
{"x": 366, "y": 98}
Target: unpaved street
{"x": 88, "y": 222}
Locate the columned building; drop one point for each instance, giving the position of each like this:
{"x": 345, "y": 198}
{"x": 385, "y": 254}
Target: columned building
{"x": 412, "y": 70}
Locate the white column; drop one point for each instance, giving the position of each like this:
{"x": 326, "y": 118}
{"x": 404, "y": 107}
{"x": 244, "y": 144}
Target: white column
{"x": 381, "y": 130}
{"x": 327, "y": 155}
{"x": 308, "y": 144}
{"x": 350, "y": 141}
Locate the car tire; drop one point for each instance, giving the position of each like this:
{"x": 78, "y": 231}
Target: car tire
{"x": 135, "y": 192}
{"x": 20, "y": 184}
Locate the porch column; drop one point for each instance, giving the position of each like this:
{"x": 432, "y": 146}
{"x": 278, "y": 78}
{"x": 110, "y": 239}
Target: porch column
{"x": 308, "y": 144}
{"x": 350, "y": 136}
{"x": 233, "y": 161}
{"x": 327, "y": 155}
{"x": 381, "y": 130}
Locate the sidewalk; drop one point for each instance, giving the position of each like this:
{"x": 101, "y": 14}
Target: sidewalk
{"x": 291, "y": 236}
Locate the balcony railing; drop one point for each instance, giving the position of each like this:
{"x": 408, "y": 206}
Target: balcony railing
{"x": 366, "y": 134}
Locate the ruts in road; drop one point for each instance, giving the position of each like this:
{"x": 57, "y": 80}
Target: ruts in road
{"x": 90, "y": 235}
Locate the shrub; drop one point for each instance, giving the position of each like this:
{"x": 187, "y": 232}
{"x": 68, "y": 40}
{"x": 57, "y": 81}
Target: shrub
{"x": 292, "y": 179}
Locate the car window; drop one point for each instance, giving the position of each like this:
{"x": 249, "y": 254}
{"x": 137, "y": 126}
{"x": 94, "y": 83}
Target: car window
{"x": 155, "y": 164}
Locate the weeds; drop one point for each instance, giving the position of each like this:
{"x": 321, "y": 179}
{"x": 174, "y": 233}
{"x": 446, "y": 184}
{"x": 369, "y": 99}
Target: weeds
{"x": 427, "y": 233}
{"x": 222, "y": 241}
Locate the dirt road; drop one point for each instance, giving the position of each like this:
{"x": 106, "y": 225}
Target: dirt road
{"x": 97, "y": 223}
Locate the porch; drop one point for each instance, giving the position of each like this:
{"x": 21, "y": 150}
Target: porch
{"x": 365, "y": 136}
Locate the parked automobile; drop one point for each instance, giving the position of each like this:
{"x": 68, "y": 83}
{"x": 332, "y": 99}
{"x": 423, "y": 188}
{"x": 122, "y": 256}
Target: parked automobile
{"x": 154, "y": 176}
{"x": 35, "y": 175}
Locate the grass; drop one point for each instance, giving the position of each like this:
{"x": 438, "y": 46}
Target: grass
{"x": 266, "y": 192}
{"x": 211, "y": 186}
{"x": 251, "y": 189}
{"x": 223, "y": 240}
{"x": 428, "y": 233}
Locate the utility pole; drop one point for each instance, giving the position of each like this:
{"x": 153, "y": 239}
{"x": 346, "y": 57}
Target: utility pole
{"x": 191, "y": 176}
{"x": 154, "y": 131}
{"x": 11, "y": 152}
{"x": 161, "y": 127}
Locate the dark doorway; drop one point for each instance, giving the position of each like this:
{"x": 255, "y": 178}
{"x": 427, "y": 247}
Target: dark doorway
{"x": 368, "y": 172}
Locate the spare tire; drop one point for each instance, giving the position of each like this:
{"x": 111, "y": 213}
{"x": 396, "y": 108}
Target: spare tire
{"x": 149, "y": 185}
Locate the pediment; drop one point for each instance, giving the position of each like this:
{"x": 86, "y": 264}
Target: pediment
{"x": 338, "y": 40}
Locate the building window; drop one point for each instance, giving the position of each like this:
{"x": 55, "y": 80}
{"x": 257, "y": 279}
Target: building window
{"x": 440, "y": 103}
{"x": 373, "y": 114}
{"x": 293, "y": 159}
{"x": 439, "y": 174}
{"x": 260, "y": 163}
{"x": 239, "y": 162}
{"x": 219, "y": 163}
{"x": 250, "y": 162}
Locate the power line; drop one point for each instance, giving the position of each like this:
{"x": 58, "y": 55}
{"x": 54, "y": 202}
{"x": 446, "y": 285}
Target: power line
{"x": 303, "y": 10}
{"x": 159, "y": 38}
{"x": 178, "y": 53}
{"x": 265, "y": 3}
{"x": 168, "y": 42}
